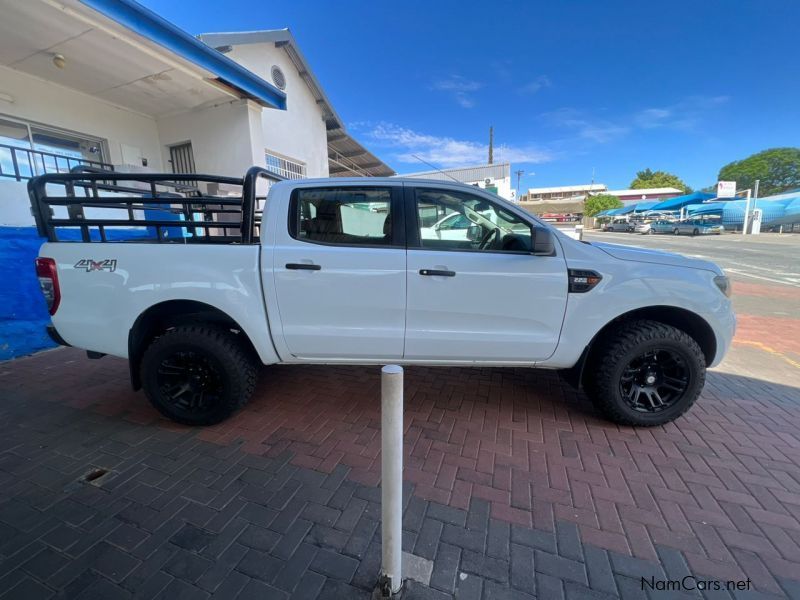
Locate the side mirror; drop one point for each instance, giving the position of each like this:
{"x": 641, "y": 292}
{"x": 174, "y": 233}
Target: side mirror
{"x": 474, "y": 233}
{"x": 543, "y": 242}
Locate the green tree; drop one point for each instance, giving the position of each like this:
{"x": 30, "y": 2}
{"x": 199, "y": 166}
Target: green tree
{"x": 658, "y": 179}
{"x": 599, "y": 203}
{"x": 777, "y": 169}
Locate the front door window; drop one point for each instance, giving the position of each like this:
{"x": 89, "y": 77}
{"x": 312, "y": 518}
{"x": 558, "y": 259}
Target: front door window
{"x": 470, "y": 223}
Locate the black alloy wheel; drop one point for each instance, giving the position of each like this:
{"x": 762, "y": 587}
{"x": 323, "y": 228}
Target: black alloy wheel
{"x": 654, "y": 381}
{"x": 190, "y": 380}
{"x": 644, "y": 373}
{"x": 198, "y": 374}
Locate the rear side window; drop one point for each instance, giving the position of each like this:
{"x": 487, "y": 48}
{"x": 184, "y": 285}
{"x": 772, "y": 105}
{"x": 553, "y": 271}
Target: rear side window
{"x": 346, "y": 216}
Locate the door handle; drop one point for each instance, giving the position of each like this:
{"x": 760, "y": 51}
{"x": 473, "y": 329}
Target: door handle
{"x": 302, "y": 267}
{"x": 437, "y": 273}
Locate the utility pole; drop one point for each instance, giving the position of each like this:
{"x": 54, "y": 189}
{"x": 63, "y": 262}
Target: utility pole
{"x": 491, "y": 144}
{"x": 519, "y": 173}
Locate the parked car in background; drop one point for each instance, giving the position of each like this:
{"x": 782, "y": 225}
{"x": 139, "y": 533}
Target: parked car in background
{"x": 661, "y": 226}
{"x": 453, "y": 227}
{"x": 618, "y": 225}
{"x": 642, "y": 227}
{"x": 697, "y": 227}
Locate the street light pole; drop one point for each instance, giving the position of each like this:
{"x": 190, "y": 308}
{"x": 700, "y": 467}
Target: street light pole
{"x": 519, "y": 173}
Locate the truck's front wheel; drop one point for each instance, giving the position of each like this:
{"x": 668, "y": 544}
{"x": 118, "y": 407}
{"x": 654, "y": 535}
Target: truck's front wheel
{"x": 645, "y": 373}
{"x": 198, "y": 375}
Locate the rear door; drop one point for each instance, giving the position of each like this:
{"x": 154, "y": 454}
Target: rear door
{"x": 487, "y": 299}
{"x": 339, "y": 269}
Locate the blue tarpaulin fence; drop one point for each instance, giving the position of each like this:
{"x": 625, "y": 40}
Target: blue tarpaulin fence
{"x": 23, "y": 312}
{"x": 773, "y": 211}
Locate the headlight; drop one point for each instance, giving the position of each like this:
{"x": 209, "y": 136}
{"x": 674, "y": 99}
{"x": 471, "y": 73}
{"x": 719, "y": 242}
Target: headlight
{"x": 724, "y": 284}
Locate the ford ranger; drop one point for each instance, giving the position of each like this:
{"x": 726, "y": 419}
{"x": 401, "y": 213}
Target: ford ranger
{"x": 198, "y": 279}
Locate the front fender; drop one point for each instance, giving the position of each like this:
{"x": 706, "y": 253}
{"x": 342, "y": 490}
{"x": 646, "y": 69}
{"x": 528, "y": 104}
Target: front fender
{"x": 629, "y": 287}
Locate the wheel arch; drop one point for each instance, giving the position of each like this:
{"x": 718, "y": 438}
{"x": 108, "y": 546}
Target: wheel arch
{"x": 691, "y": 323}
{"x": 171, "y": 313}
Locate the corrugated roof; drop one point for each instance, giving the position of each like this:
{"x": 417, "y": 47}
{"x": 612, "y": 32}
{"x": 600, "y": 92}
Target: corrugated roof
{"x": 347, "y": 157}
{"x": 539, "y": 208}
{"x": 466, "y": 174}
{"x": 588, "y": 187}
{"x": 645, "y": 191}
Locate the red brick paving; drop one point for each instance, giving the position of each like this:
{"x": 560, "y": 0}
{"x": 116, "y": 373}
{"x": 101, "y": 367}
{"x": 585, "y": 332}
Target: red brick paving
{"x": 778, "y": 333}
{"x": 721, "y": 484}
{"x": 748, "y": 288}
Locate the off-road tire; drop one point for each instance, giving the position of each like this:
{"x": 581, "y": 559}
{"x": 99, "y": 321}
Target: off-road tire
{"x": 234, "y": 364}
{"x": 611, "y": 356}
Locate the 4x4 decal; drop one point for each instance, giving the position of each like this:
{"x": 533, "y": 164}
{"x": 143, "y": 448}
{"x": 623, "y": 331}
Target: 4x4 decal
{"x": 90, "y": 265}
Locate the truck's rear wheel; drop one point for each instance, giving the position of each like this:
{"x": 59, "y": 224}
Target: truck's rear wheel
{"x": 646, "y": 373}
{"x": 197, "y": 374}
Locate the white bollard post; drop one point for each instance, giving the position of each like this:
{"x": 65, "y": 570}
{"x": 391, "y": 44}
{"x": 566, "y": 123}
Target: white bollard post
{"x": 392, "y": 475}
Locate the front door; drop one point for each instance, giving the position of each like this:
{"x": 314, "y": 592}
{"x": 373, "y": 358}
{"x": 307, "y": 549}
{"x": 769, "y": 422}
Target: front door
{"x": 340, "y": 273}
{"x": 482, "y": 297}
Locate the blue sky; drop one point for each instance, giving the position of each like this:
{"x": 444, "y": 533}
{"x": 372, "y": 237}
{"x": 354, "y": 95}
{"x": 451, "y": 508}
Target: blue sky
{"x": 568, "y": 86}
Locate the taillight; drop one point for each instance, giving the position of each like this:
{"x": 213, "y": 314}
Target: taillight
{"x": 48, "y": 281}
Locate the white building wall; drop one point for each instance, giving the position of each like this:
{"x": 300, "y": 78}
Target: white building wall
{"x": 51, "y": 104}
{"x": 298, "y": 133}
{"x": 226, "y": 138}
{"x": 46, "y": 103}
{"x": 503, "y": 185}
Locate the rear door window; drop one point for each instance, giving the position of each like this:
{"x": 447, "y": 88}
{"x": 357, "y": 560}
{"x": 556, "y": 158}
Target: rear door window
{"x": 346, "y": 216}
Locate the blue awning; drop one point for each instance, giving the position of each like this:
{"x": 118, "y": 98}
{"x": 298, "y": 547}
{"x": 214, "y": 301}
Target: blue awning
{"x": 148, "y": 24}
{"x": 614, "y": 211}
{"x": 679, "y": 202}
{"x": 644, "y": 206}
{"x": 709, "y": 208}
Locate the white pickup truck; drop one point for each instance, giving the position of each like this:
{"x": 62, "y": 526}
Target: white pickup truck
{"x": 196, "y": 289}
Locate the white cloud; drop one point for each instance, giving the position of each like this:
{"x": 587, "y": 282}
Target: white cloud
{"x": 535, "y": 85}
{"x": 460, "y": 88}
{"x": 456, "y": 83}
{"x": 652, "y": 117}
{"x": 588, "y": 128}
{"x": 410, "y": 146}
{"x": 685, "y": 114}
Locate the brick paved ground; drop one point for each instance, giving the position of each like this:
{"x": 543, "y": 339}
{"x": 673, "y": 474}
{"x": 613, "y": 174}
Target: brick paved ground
{"x": 515, "y": 486}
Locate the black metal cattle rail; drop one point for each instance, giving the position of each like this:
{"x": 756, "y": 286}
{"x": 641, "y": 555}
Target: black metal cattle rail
{"x": 152, "y": 204}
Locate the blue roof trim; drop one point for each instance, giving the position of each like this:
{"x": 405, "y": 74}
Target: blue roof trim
{"x": 148, "y": 24}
